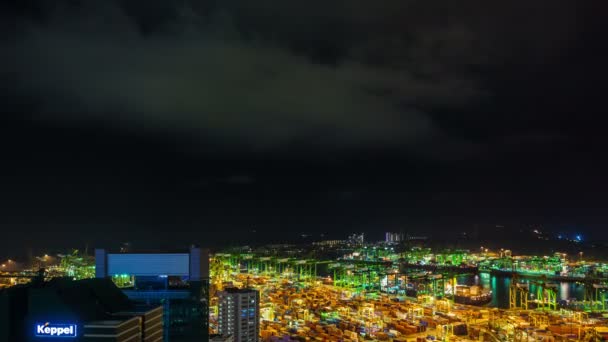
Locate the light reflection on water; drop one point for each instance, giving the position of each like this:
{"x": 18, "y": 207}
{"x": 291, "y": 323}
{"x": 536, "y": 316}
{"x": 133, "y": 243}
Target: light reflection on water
{"x": 499, "y": 285}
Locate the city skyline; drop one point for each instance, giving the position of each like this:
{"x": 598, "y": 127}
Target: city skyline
{"x": 205, "y": 120}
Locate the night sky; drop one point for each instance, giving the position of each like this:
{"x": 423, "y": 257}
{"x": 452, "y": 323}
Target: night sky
{"x": 169, "y": 122}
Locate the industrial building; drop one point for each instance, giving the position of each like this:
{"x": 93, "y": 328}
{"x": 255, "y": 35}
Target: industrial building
{"x": 239, "y": 314}
{"x": 84, "y": 310}
{"x": 179, "y": 281}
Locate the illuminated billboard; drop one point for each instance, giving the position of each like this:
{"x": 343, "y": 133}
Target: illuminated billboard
{"x": 149, "y": 264}
{"x": 55, "y": 330}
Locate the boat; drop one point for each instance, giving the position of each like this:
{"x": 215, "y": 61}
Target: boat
{"x": 472, "y": 295}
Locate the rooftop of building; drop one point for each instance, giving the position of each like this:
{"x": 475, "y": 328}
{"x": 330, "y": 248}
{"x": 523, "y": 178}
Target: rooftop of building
{"x": 151, "y": 251}
{"x": 90, "y": 299}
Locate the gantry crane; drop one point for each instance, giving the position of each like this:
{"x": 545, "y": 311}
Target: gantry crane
{"x": 518, "y": 294}
{"x": 546, "y": 295}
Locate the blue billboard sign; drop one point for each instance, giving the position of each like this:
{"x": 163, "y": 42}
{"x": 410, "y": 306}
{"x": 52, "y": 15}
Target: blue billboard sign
{"x": 56, "y": 330}
{"x": 172, "y": 264}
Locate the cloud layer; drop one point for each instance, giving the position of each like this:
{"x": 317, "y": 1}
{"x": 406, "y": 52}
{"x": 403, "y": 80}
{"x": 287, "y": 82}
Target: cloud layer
{"x": 265, "y": 73}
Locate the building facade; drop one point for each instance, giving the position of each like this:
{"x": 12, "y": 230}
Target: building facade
{"x": 66, "y": 310}
{"x": 239, "y": 314}
{"x": 390, "y": 237}
{"x": 179, "y": 281}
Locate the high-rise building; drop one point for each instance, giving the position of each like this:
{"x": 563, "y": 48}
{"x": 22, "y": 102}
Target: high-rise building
{"x": 87, "y": 310}
{"x": 239, "y": 314}
{"x": 356, "y": 239}
{"x": 179, "y": 281}
{"x": 390, "y": 237}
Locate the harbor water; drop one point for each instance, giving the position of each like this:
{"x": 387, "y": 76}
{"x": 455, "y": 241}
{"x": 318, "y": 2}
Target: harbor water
{"x": 499, "y": 285}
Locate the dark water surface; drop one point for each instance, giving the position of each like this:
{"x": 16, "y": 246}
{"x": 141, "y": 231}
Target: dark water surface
{"x": 499, "y": 285}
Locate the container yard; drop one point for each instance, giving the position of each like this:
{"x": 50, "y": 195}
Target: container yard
{"x": 297, "y": 304}
{"x": 319, "y": 312}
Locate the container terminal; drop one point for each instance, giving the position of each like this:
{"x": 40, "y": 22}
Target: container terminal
{"x": 375, "y": 293}
{"x": 355, "y": 291}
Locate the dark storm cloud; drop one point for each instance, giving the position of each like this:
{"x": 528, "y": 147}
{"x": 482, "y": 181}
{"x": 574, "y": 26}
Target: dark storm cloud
{"x": 269, "y": 73}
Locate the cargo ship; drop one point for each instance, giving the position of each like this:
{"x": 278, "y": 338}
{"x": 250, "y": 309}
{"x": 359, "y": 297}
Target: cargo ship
{"x": 472, "y": 295}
